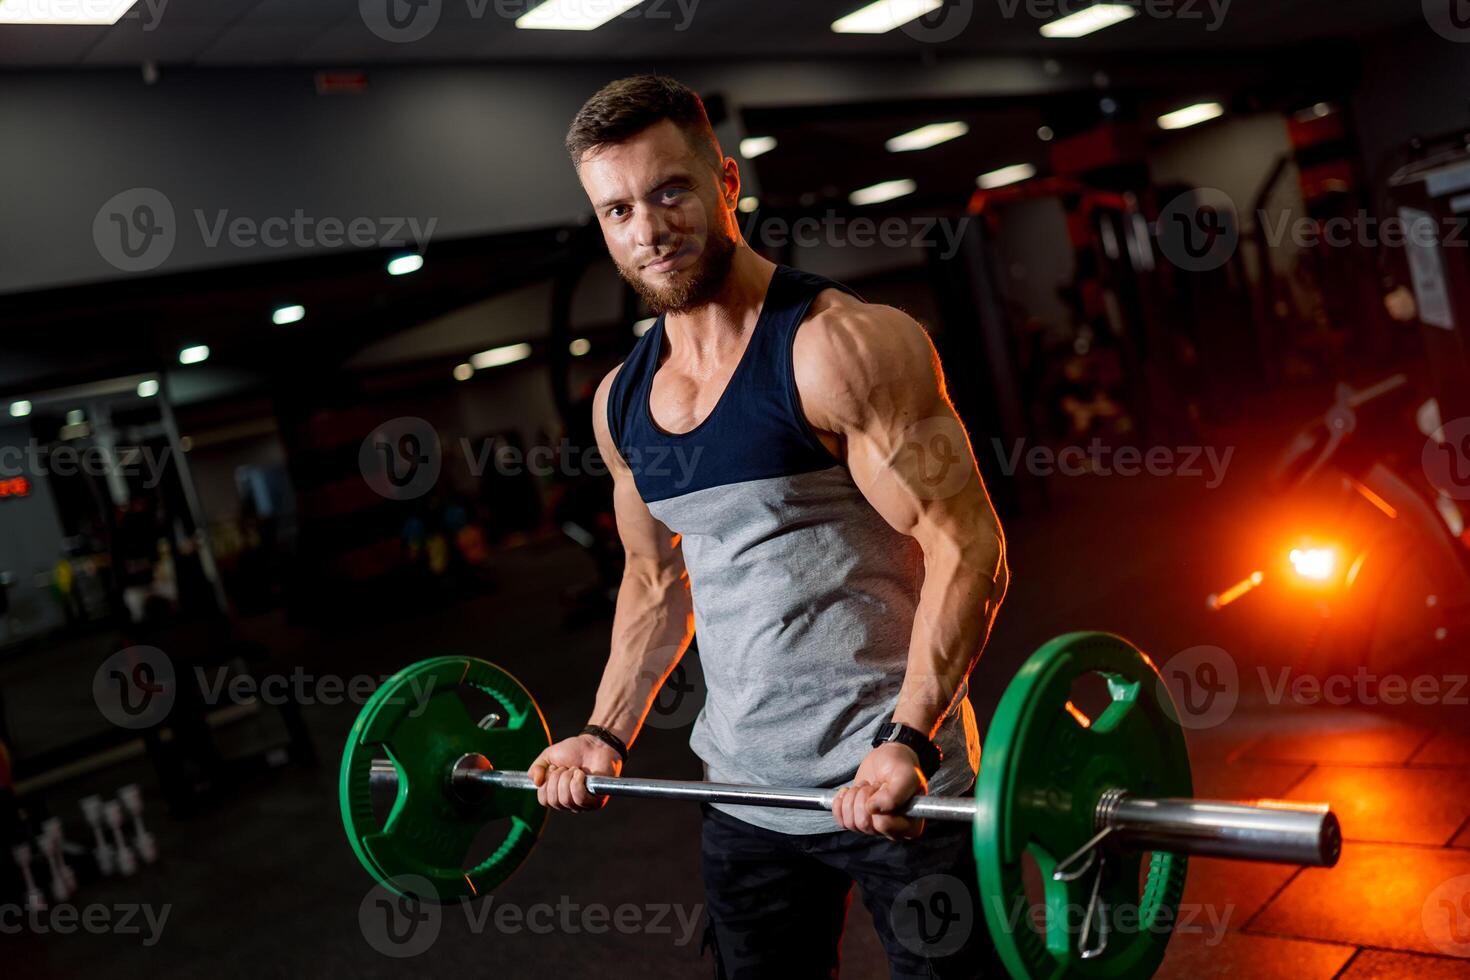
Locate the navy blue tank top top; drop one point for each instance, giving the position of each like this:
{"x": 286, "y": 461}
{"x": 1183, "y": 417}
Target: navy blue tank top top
{"x": 756, "y": 429}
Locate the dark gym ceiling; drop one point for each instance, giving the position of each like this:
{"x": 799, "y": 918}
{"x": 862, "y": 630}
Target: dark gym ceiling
{"x": 823, "y": 149}
{"x": 333, "y": 32}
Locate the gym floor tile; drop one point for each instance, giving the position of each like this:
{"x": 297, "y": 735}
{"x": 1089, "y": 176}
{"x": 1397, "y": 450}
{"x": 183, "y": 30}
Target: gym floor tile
{"x": 1380, "y": 895}
{"x": 1399, "y": 806}
{"x": 1242, "y": 955}
{"x": 1375, "y": 964}
{"x": 1327, "y": 737}
{"x": 1230, "y": 892}
{"x": 1445, "y": 749}
{"x": 1246, "y": 780}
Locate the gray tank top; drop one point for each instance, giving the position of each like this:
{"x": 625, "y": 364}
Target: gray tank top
{"x": 804, "y": 596}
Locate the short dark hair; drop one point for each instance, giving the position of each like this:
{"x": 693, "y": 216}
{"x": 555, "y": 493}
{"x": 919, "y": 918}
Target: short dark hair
{"x": 622, "y": 109}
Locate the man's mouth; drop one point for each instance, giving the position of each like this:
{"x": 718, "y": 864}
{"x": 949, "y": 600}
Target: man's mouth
{"x": 669, "y": 262}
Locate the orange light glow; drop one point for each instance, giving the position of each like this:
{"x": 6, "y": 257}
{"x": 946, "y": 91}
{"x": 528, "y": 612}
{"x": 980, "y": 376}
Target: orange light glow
{"x": 1376, "y": 500}
{"x": 1244, "y": 586}
{"x": 1316, "y": 564}
{"x": 1076, "y": 713}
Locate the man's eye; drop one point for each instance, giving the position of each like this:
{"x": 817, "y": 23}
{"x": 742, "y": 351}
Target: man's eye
{"x": 670, "y": 194}
{"x": 617, "y": 210}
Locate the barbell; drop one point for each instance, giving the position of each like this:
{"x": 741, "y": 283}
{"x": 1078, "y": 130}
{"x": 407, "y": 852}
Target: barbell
{"x": 1084, "y": 797}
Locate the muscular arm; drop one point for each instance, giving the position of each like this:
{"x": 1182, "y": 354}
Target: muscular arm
{"x": 654, "y": 618}
{"x": 870, "y": 376}
{"x": 652, "y": 626}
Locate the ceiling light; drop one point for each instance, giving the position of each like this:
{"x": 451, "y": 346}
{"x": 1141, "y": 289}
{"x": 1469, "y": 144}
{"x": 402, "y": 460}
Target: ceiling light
{"x": 497, "y": 356}
{"x": 74, "y": 12}
{"x": 463, "y": 372}
{"x": 749, "y": 204}
{"x": 20, "y": 409}
{"x": 1089, "y": 19}
{"x": 1005, "y": 175}
{"x": 147, "y": 389}
{"x": 753, "y": 146}
{"x": 883, "y": 16}
{"x": 1191, "y": 115}
{"x": 579, "y": 346}
{"x": 885, "y": 191}
{"x": 287, "y": 314}
{"x": 402, "y": 265}
{"x": 573, "y": 15}
{"x": 926, "y": 136}
{"x": 194, "y": 355}
{"x": 1046, "y": 134}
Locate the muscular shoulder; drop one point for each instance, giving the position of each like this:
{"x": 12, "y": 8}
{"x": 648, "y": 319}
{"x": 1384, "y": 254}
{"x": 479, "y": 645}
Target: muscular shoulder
{"x": 852, "y": 358}
{"x": 600, "y": 425}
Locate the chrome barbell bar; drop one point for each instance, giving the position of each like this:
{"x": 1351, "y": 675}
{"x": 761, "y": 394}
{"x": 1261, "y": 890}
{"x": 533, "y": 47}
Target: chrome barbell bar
{"x": 1271, "y": 831}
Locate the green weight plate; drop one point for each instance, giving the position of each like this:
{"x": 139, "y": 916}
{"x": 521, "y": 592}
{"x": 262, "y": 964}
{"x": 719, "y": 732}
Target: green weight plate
{"x": 1043, "y": 769}
{"x": 419, "y": 721}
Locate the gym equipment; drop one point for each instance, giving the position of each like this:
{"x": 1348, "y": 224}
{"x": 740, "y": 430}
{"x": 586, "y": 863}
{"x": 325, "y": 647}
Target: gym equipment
{"x": 1084, "y": 797}
{"x": 131, "y": 798}
{"x": 51, "y": 828}
{"x": 127, "y": 863}
{"x": 49, "y": 844}
{"x": 35, "y": 900}
{"x": 101, "y": 851}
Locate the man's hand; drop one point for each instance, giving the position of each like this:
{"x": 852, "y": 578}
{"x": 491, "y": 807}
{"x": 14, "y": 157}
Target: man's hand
{"x": 560, "y": 773}
{"x": 888, "y": 778}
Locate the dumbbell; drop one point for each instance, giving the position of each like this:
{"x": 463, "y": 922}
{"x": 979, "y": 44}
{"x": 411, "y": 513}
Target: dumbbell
{"x": 1086, "y": 797}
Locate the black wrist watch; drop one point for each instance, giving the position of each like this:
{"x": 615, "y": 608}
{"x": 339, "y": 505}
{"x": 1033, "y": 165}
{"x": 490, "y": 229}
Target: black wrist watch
{"x": 929, "y": 754}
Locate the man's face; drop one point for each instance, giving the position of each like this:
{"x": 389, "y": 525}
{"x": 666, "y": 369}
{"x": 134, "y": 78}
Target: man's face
{"x": 667, "y": 215}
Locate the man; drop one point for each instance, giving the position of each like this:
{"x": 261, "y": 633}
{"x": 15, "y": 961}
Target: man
{"x": 789, "y": 477}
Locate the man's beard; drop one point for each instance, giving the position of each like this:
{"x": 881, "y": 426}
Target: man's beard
{"x": 695, "y": 286}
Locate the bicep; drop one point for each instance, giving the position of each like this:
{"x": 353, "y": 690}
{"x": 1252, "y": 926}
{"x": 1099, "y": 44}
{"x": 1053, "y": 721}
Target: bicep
{"x": 907, "y": 450}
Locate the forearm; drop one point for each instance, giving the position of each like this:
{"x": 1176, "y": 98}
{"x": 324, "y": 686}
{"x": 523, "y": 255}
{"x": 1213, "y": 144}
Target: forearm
{"x": 965, "y": 580}
{"x": 652, "y": 626}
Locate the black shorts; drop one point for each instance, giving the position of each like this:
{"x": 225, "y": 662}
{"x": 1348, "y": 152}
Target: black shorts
{"x": 777, "y": 902}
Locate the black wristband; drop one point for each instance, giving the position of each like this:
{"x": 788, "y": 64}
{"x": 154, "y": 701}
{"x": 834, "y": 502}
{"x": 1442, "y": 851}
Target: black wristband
{"x": 930, "y": 755}
{"x": 609, "y": 739}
